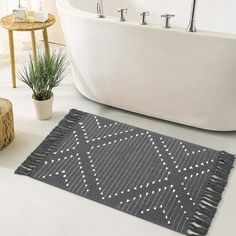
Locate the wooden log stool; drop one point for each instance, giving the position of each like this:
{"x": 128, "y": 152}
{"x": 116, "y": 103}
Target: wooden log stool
{"x": 6, "y": 123}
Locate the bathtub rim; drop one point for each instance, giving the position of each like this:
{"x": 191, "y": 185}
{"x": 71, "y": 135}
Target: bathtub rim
{"x": 66, "y": 7}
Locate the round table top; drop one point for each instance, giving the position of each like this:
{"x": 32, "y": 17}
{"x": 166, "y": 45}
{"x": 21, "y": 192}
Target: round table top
{"x": 7, "y": 23}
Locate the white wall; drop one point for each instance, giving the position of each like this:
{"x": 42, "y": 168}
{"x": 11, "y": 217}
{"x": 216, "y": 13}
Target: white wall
{"x": 55, "y": 32}
{"x": 3, "y": 35}
{"x": 212, "y": 15}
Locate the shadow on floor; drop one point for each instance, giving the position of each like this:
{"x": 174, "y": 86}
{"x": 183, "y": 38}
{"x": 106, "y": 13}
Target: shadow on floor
{"x": 17, "y": 151}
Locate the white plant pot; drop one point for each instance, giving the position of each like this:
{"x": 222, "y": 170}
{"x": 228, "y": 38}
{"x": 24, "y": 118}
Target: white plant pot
{"x": 43, "y": 108}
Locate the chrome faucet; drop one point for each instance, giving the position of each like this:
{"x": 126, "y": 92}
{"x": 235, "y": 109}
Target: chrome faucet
{"x": 100, "y": 11}
{"x": 167, "y": 20}
{"x": 122, "y": 11}
{"x": 191, "y": 26}
{"x": 143, "y": 15}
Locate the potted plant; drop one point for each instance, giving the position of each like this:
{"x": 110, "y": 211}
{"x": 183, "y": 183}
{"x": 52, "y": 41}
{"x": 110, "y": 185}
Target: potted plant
{"x": 42, "y": 75}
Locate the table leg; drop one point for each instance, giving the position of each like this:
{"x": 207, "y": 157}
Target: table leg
{"x": 33, "y": 45}
{"x": 12, "y": 57}
{"x": 46, "y": 43}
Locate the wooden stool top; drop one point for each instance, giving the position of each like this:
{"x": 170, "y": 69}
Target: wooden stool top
{"x": 5, "y": 106}
{"x": 7, "y": 23}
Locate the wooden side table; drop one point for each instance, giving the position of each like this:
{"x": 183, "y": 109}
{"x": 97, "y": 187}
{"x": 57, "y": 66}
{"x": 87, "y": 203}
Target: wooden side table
{"x": 7, "y": 23}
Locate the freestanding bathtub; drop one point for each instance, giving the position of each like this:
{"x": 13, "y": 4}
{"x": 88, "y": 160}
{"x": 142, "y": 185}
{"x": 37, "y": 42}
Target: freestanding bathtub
{"x": 187, "y": 78}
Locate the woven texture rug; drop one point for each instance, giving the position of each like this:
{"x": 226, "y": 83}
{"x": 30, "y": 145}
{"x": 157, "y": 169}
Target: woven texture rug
{"x": 161, "y": 179}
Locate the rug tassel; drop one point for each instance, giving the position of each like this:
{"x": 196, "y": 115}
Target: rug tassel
{"x": 50, "y": 142}
{"x": 206, "y": 209}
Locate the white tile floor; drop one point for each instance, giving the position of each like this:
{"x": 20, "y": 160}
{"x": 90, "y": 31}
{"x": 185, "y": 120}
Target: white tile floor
{"x": 32, "y": 208}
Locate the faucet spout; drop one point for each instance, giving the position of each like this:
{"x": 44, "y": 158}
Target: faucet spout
{"x": 191, "y": 26}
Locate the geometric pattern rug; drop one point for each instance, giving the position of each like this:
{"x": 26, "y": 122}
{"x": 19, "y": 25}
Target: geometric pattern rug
{"x": 164, "y": 180}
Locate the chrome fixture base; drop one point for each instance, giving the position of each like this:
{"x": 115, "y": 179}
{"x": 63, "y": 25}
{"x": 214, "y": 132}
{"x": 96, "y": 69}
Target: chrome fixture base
{"x": 192, "y": 27}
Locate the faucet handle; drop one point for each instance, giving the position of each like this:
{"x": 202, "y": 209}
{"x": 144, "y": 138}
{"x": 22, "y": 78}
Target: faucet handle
{"x": 144, "y": 14}
{"x": 167, "y": 20}
{"x": 122, "y": 11}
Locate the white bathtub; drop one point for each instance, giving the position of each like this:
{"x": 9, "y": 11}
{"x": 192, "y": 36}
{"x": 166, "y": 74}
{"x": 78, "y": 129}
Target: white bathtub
{"x": 187, "y": 78}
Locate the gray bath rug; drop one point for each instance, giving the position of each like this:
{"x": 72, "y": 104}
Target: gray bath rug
{"x": 161, "y": 179}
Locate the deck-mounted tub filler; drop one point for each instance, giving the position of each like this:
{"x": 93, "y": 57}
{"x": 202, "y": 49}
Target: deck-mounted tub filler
{"x": 179, "y": 76}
